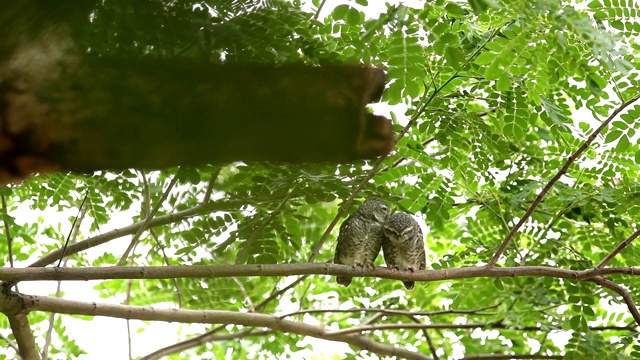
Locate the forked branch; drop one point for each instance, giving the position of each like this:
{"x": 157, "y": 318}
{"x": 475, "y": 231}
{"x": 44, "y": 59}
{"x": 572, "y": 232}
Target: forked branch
{"x": 555, "y": 179}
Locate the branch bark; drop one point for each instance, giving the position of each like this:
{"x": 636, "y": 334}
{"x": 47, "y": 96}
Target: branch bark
{"x": 215, "y": 271}
{"x": 147, "y": 313}
{"x": 24, "y": 337}
{"x": 394, "y": 312}
{"x": 622, "y": 292}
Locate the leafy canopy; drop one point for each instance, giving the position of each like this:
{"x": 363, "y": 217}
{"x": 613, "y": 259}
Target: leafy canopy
{"x": 490, "y": 97}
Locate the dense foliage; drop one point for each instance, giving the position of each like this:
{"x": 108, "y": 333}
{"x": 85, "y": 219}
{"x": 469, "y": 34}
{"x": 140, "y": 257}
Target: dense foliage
{"x": 489, "y": 100}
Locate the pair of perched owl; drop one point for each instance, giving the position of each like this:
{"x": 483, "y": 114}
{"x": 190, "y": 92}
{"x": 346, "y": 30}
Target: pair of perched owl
{"x": 370, "y": 228}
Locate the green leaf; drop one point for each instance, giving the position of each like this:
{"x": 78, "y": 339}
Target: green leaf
{"x": 485, "y": 58}
{"x": 612, "y": 136}
{"x": 353, "y": 17}
{"x": 503, "y": 83}
{"x": 454, "y": 9}
{"x": 454, "y": 57}
{"x": 340, "y": 12}
{"x": 623, "y": 144}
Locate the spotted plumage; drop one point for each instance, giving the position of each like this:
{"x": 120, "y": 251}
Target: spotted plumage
{"x": 360, "y": 236}
{"x": 403, "y": 245}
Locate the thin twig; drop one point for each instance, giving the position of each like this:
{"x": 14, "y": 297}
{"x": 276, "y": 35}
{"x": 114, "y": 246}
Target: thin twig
{"x": 245, "y": 294}
{"x": 127, "y": 301}
{"x": 146, "y": 205}
{"x": 317, "y": 13}
{"x": 395, "y": 312}
{"x": 153, "y": 212}
{"x": 344, "y": 206}
{"x": 555, "y": 179}
{"x": 12, "y": 345}
{"x": 241, "y": 258}
{"x": 7, "y": 229}
{"x": 204, "y": 337}
{"x": 403, "y": 158}
{"x": 75, "y": 230}
{"x": 178, "y": 216}
{"x": 618, "y": 248}
{"x": 212, "y": 181}
{"x": 201, "y": 339}
{"x": 73, "y": 226}
{"x": 432, "y": 346}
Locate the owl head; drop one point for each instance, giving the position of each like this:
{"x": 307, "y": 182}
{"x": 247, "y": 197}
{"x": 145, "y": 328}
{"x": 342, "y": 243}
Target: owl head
{"x": 374, "y": 209}
{"x": 400, "y": 227}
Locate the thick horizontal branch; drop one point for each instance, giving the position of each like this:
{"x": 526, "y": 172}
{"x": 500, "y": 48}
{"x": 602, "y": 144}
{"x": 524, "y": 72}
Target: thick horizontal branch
{"x": 147, "y": 313}
{"x": 215, "y": 271}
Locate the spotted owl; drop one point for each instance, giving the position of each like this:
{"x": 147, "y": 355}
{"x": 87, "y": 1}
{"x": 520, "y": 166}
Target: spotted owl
{"x": 403, "y": 245}
{"x": 360, "y": 236}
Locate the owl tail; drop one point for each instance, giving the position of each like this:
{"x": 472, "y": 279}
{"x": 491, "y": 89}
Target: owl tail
{"x": 344, "y": 281}
{"x": 409, "y": 284}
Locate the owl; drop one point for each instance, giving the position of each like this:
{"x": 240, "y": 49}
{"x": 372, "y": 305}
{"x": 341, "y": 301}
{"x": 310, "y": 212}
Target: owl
{"x": 403, "y": 245}
{"x": 360, "y": 236}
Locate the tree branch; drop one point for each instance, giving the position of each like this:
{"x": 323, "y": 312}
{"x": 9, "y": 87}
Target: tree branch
{"x": 22, "y": 332}
{"x": 624, "y": 293}
{"x": 199, "y": 340}
{"x": 147, "y": 220}
{"x": 146, "y": 206}
{"x": 393, "y": 312}
{"x": 618, "y": 248}
{"x": 84, "y": 207}
{"x": 217, "y": 271}
{"x": 241, "y": 258}
{"x": 147, "y": 313}
{"x": 163, "y": 272}
{"x": 245, "y": 294}
{"x": 203, "y": 338}
{"x": 133, "y": 228}
{"x": 212, "y": 181}
{"x": 555, "y": 179}
{"x": 12, "y": 345}
{"x": 7, "y": 229}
